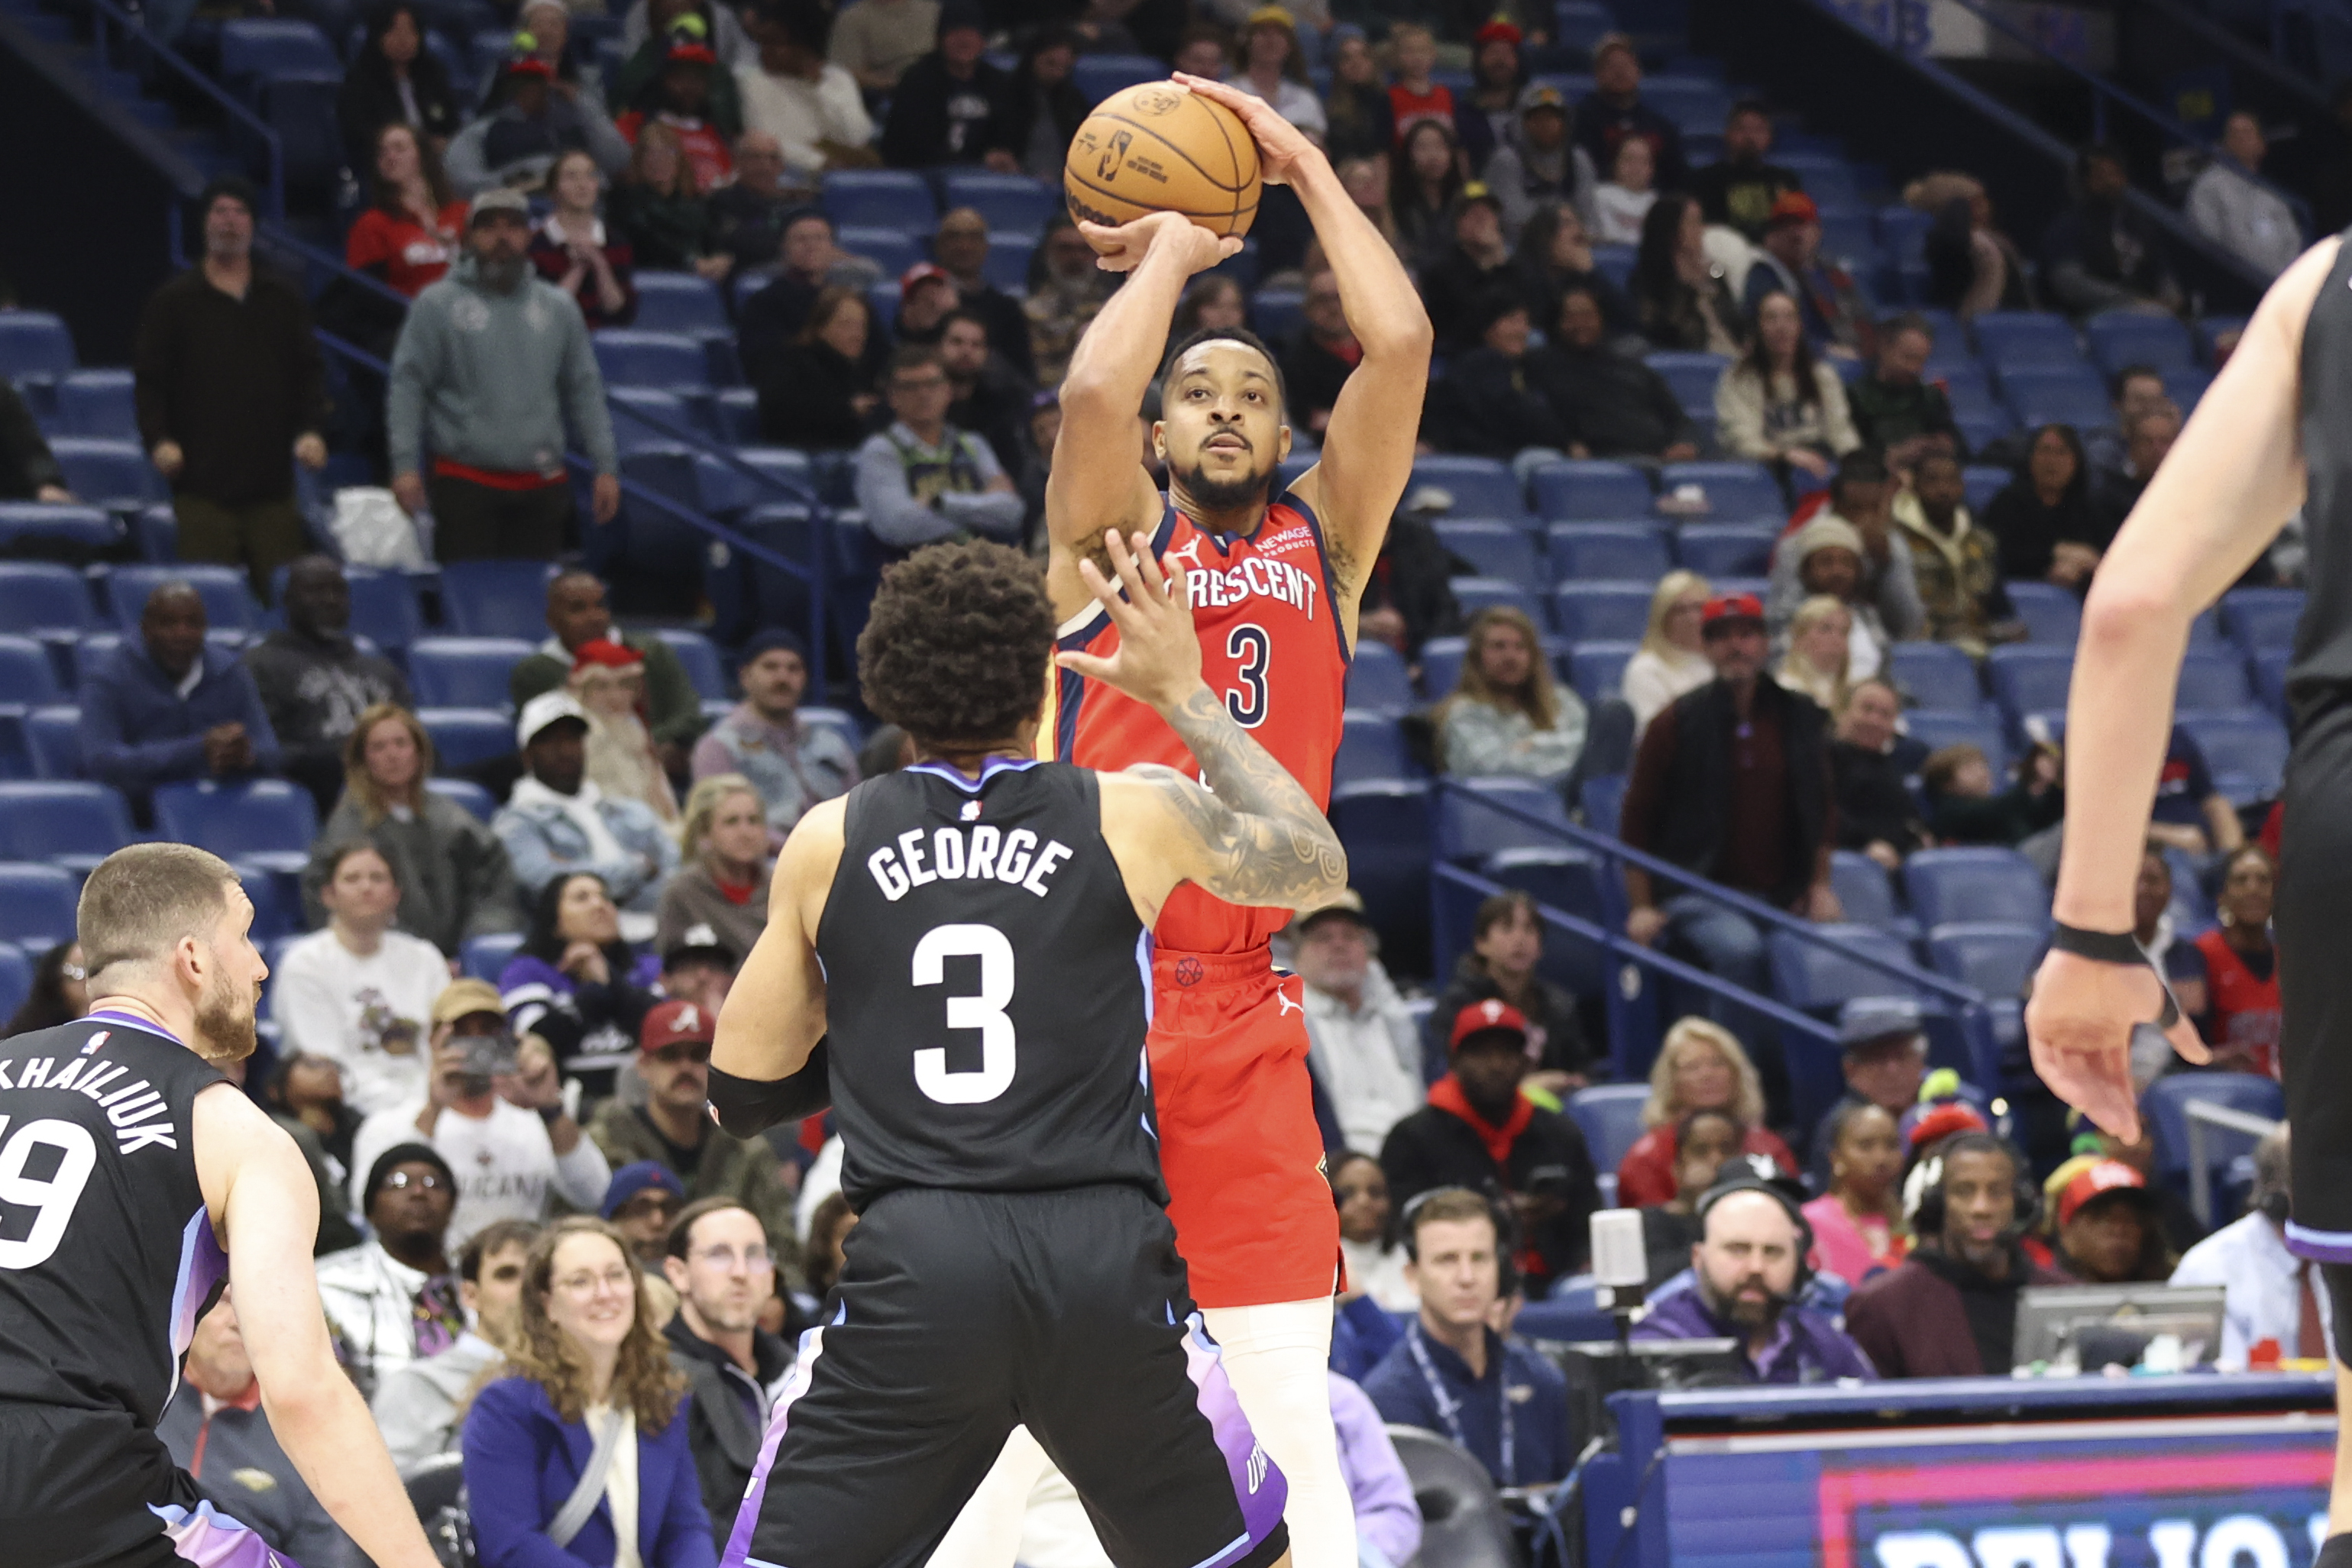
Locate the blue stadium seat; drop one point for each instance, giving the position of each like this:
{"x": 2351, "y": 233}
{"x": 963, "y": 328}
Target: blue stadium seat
{"x": 1692, "y": 376}
{"x": 485, "y": 957}
{"x": 1481, "y": 487}
{"x": 230, "y": 604}
{"x": 892, "y": 250}
{"x": 1277, "y": 314}
{"x": 1726, "y": 549}
{"x": 880, "y": 198}
{"x": 254, "y": 49}
{"x": 466, "y": 737}
{"x": 1936, "y": 676}
{"x": 631, "y": 433}
{"x": 2052, "y": 614}
{"x": 667, "y": 360}
{"x": 107, "y": 473}
{"x": 1504, "y": 550}
{"x": 1384, "y": 826}
{"x": 1006, "y": 264}
{"x": 383, "y": 606}
{"x": 1609, "y": 552}
{"x": 2246, "y": 751}
{"x": 1377, "y": 680}
{"x": 97, "y": 403}
{"x": 1935, "y": 730}
{"x": 1601, "y": 801}
{"x": 464, "y": 672}
{"x": 682, "y": 302}
{"x": 37, "y": 905}
{"x": 1817, "y": 978}
{"x": 2040, "y": 396}
{"x": 2213, "y": 680}
{"x": 275, "y": 891}
{"x": 35, "y": 346}
{"x": 1979, "y": 428}
{"x": 53, "y": 738}
{"x": 260, "y": 819}
{"x": 2166, "y": 1103}
{"x": 300, "y": 106}
{"x": 1441, "y": 665}
{"x": 27, "y": 675}
{"x": 1946, "y": 886}
{"x": 39, "y": 597}
{"x": 1734, "y": 492}
{"x": 737, "y": 409}
{"x": 1995, "y": 957}
{"x": 2187, "y": 388}
{"x": 1591, "y": 490}
{"x": 75, "y": 824}
{"x": 1864, "y": 890}
{"x": 1602, "y": 611}
{"x": 2257, "y": 618}
{"x": 1468, "y": 830}
{"x": 2026, "y": 337}
{"x": 2030, "y": 678}
{"x": 2270, "y": 677}
{"x": 1371, "y": 746}
{"x": 496, "y": 597}
{"x": 1568, "y": 880}
{"x": 1477, "y": 594}
{"x": 700, "y": 658}
{"x": 466, "y": 793}
{"x": 1984, "y": 482}
{"x": 2121, "y": 338}
{"x": 1610, "y": 1117}
{"x": 1096, "y": 76}
{"x": 1012, "y": 202}
{"x": 16, "y": 977}
{"x": 1598, "y": 669}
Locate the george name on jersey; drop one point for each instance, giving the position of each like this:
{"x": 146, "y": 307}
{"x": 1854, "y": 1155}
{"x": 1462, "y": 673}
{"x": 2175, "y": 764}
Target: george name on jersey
{"x": 137, "y": 1109}
{"x": 1252, "y": 577}
{"x": 966, "y": 854}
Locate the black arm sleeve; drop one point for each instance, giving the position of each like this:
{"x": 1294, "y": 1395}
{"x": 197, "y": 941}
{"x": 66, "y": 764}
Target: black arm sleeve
{"x": 746, "y": 1107}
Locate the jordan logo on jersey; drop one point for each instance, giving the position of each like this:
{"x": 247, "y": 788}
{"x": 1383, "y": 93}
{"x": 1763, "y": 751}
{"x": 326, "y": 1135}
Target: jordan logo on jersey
{"x": 1253, "y": 577}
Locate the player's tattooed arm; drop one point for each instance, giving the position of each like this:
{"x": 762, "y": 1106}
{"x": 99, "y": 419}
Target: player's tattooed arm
{"x": 1257, "y": 837}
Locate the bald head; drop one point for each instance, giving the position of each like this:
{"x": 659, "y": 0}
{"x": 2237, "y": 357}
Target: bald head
{"x": 172, "y": 625}
{"x": 317, "y": 597}
{"x": 576, "y": 609}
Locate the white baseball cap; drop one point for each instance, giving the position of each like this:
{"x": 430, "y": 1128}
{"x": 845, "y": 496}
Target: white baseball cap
{"x": 543, "y": 710}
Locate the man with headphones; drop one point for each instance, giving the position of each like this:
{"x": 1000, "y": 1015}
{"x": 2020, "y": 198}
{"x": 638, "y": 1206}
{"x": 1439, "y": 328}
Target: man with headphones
{"x": 1750, "y": 1262}
{"x": 1950, "y": 1309}
{"x": 2271, "y": 1293}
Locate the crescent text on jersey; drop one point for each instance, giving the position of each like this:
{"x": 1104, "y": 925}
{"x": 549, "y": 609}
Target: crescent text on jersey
{"x": 1254, "y": 577}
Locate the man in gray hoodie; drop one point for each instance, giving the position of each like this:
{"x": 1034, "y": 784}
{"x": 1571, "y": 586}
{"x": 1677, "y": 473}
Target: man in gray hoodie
{"x": 492, "y": 365}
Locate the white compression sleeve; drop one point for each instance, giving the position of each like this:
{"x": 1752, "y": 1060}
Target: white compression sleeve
{"x": 1277, "y": 1357}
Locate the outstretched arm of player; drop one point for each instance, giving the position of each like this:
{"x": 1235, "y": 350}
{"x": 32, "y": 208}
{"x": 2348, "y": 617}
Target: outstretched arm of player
{"x": 1254, "y": 835}
{"x": 775, "y": 1013}
{"x": 263, "y": 1198}
{"x": 2230, "y": 482}
{"x": 1368, "y": 446}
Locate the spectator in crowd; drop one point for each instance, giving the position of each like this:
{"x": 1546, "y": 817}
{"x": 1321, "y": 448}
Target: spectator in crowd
{"x": 1065, "y": 291}
{"x": 1821, "y": 656}
{"x": 1455, "y": 1373}
{"x": 2043, "y": 520}
{"x": 792, "y": 92}
{"x": 1834, "y": 313}
{"x": 587, "y": 1358}
{"x": 574, "y": 251}
{"x": 2147, "y": 440}
{"x": 922, "y": 479}
{"x": 697, "y": 966}
{"x": 1505, "y": 947}
{"x": 1270, "y": 65}
{"x": 722, "y": 884}
{"x": 1388, "y": 1518}
{"x": 1044, "y": 106}
{"x": 1672, "y": 660}
{"x": 951, "y": 106}
{"x": 2230, "y": 208}
{"x": 1366, "y": 180}
{"x": 1615, "y": 111}
{"x": 1473, "y": 266}
{"x": 961, "y": 248}
{"x": 419, "y": 1407}
{"x": 1318, "y": 363}
{"x": 649, "y": 19}
{"x": 657, "y": 210}
{"x": 1955, "y": 564}
{"x": 1732, "y": 782}
{"x": 1752, "y": 1242}
{"x": 1555, "y": 254}
{"x": 1484, "y": 403}
{"x": 1360, "y": 1043}
{"x": 1539, "y": 165}
{"x": 1407, "y": 600}
{"x": 231, "y": 396}
{"x": 59, "y": 993}
{"x": 169, "y": 708}
{"x": 608, "y": 681}
{"x": 577, "y": 615}
{"x": 926, "y": 295}
{"x": 1622, "y": 201}
{"x": 409, "y": 234}
{"x": 556, "y": 822}
{"x": 1869, "y": 763}
{"x": 792, "y": 763}
{"x": 1428, "y": 186}
{"x": 1778, "y": 403}
{"x": 358, "y": 993}
{"x": 2135, "y": 389}
{"x": 2176, "y": 957}
{"x": 1949, "y": 1310}
{"x": 1414, "y": 94}
{"x": 2102, "y": 255}
{"x": 493, "y": 398}
{"x": 681, "y": 99}
{"x": 1964, "y": 808}
{"x": 313, "y": 679}
{"x": 28, "y": 469}
{"x": 1479, "y": 1131}
{"x": 1204, "y": 49}
{"x": 304, "y": 1096}
{"x": 1866, "y": 563}
{"x": 1610, "y": 403}
{"x": 991, "y": 400}
{"x": 394, "y": 80}
{"x": 2191, "y": 814}
{"x": 1375, "y": 1257}
{"x": 215, "y": 1430}
{"x": 1972, "y": 266}
{"x": 2242, "y": 967}
{"x": 577, "y": 982}
{"x": 1209, "y": 301}
{"x": 2269, "y": 1293}
{"x": 1681, "y": 298}
{"x": 1739, "y": 189}
{"x": 1858, "y": 1220}
{"x": 393, "y": 1299}
{"x": 1894, "y": 409}
{"x": 2109, "y": 1232}
{"x": 492, "y": 1108}
{"x": 819, "y": 391}
{"x": 641, "y": 1201}
{"x": 875, "y": 40}
{"x": 540, "y": 105}
{"x": 544, "y": 35}
{"x": 720, "y": 1264}
{"x": 1489, "y": 118}
{"x": 452, "y": 871}
{"x": 811, "y": 264}
{"x": 1358, "y": 118}
{"x": 1704, "y": 1140}
{"x": 747, "y": 212}
{"x": 1506, "y": 715}
{"x": 1883, "y": 1054}
{"x": 1700, "y": 1067}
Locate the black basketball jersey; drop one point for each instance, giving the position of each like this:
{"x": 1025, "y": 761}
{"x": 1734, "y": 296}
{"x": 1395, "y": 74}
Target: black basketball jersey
{"x": 988, "y": 988}
{"x": 2320, "y": 674}
{"x": 107, "y": 1255}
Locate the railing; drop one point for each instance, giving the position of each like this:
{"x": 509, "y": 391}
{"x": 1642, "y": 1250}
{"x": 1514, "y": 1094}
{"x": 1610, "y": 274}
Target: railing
{"x": 2202, "y": 1114}
{"x": 137, "y": 41}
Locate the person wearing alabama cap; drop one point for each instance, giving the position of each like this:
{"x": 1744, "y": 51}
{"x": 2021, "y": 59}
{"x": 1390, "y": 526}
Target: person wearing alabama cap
{"x": 557, "y": 820}
{"x": 1479, "y": 1132}
{"x": 2108, "y": 1229}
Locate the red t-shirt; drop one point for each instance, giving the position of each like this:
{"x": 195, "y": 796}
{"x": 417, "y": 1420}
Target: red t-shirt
{"x": 2245, "y": 1010}
{"x": 1407, "y": 106}
{"x": 410, "y": 255}
{"x": 706, "y": 151}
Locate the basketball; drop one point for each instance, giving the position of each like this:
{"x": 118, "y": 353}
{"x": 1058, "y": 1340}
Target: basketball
{"x": 1159, "y": 149}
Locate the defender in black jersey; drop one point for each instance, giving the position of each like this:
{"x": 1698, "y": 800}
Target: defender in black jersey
{"x": 970, "y": 936}
{"x": 2273, "y": 433}
{"x": 133, "y": 1178}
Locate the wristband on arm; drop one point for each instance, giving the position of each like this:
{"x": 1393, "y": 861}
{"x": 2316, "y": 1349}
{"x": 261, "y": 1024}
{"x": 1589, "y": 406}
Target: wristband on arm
{"x": 2114, "y": 948}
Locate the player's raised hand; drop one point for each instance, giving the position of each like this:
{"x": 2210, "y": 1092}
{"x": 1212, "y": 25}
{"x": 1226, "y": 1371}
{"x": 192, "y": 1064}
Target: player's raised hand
{"x": 1123, "y": 248}
{"x": 1158, "y": 660}
{"x": 1280, "y": 144}
{"x": 2079, "y": 1026}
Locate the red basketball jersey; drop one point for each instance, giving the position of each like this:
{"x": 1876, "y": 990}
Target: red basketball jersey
{"x": 1271, "y": 646}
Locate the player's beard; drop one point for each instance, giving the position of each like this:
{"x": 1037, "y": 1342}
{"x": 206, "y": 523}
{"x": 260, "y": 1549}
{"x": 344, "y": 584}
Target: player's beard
{"x": 225, "y": 1021}
{"x": 1224, "y": 495}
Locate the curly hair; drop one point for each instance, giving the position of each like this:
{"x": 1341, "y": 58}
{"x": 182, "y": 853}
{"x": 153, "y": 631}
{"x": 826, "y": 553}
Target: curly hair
{"x": 642, "y": 1376}
{"x": 957, "y": 647}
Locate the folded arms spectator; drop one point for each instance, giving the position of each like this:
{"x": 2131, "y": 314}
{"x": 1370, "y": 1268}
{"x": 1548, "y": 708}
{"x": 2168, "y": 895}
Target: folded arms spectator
{"x": 169, "y": 708}
{"x": 922, "y": 479}
{"x": 790, "y": 762}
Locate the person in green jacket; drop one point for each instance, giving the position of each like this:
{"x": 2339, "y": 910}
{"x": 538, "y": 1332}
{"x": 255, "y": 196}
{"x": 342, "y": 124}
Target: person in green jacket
{"x": 576, "y": 613}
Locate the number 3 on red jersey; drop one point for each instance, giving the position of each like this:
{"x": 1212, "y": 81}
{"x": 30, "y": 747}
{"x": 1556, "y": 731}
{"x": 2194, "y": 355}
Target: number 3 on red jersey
{"x": 1249, "y": 647}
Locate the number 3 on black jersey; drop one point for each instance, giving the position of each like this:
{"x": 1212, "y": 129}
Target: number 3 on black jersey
{"x": 1249, "y": 647}
{"x": 984, "y": 1012}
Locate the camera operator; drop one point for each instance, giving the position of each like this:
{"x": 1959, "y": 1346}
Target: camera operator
{"x": 493, "y": 1108}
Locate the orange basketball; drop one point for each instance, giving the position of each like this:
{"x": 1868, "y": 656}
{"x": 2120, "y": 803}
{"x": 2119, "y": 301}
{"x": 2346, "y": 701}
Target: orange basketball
{"x": 1159, "y": 149}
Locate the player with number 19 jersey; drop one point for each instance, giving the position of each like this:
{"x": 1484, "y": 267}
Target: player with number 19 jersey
{"x": 1239, "y": 1144}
